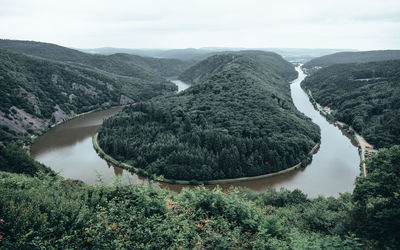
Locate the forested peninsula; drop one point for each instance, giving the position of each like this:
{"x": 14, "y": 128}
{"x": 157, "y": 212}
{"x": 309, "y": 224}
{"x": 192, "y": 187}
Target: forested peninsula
{"x": 237, "y": 121}
{"x": 243, "y": 108}
{"x": 365, "y": 96}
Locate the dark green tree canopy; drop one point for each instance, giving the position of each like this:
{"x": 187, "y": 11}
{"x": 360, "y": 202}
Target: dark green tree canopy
{"x": 37, "y": 86}
{"x": 377, "y": 198}
{"x": 206, "y": 68}
{"x": 239, "y": 121}
{"x": 365, "y": 96}
{"x": 122, "y": 64}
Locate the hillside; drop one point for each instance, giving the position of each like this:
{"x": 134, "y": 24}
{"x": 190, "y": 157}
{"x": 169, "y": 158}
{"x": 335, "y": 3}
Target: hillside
{"x": 163, "y": 66}
{"x": 365, "y": 96}
{"x": 206, "y": 68}
{"x": 122, "y": 64}
{"x": 188, "y": 55}
{"x": 353, "y": 57}
{"x": 35, "y": 92}
{"x": 239, "y": 121}
{"x": 196, "y": 55}
{"x": 47, "y": 211}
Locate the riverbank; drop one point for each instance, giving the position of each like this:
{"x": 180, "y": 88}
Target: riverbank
{"x": 37, "y": 134}
{"x": 364, "y": 147}
{"x": 130, "y": 168}
{"x": 68, "y": 149}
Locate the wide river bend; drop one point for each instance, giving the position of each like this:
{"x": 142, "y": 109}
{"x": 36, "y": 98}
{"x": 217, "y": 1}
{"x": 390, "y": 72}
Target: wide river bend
{"x": 68, "y": 149}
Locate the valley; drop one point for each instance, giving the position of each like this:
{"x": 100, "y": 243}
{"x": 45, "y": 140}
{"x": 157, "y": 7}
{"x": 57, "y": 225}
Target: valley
{"x": 227, "y": 126}
{"x": 321, "y": 177}
{"x": 200, "y": 125}
{"x": 224, "y": 117}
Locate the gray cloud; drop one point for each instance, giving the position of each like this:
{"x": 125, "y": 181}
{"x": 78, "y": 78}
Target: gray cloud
{"x": 356, "y": 24}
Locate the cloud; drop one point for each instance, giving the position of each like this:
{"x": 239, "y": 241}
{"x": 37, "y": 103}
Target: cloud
{"x": 252, "y": 23}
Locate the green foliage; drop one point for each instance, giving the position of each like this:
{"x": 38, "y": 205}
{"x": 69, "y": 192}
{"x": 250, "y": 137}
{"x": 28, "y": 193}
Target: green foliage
{"x": 365, "y": 96}
{"x": 14, "y": 159}
{"x": 377, "y": 199}
{"x": 238, "y": 122}
{"x": 353, "y": 57}
{"x": 50, "y": 212}
{"x": 46, "y": 212}
{"x": 8, "y": 136}
{"x": 269, "y": 60}
{"x": 36, "y": 86}
{"x": 122, "y": 64}
{"x": 162, "y": 66}
{"x": 306, "y": 161}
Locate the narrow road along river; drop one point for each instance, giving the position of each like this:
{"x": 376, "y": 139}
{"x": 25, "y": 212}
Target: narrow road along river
{"x": 68, "y": 148}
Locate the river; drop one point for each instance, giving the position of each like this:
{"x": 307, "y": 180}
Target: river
{"x": 68, "y": 149}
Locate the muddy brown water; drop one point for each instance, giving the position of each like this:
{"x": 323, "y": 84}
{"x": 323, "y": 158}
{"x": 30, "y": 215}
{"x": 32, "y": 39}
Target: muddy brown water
{"x": 68, "y": 149}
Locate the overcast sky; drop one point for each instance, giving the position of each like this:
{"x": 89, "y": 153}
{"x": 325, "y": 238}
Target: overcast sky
{"x": 354, "y": 24}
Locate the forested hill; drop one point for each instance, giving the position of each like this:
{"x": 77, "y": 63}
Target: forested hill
{"x": 269, "y": 60}
{"x": 353, "y": 57}
{"x": 365, "y": 96}
{"x": 122, "y": 64}
{"x": 35, "y": 92}
{"x": 163, "y": 66}
{"x": 240, "y": 121}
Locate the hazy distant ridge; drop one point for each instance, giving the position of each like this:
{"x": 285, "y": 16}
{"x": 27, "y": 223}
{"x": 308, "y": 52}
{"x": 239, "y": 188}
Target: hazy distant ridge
{"x": 353, "y": 57}
{"x": 121, "y": 64}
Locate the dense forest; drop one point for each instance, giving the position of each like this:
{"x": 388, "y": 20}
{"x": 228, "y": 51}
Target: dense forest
{"x": 146, "y": 68}
{"x": 240, "y": 121}
{"x": 39, "y": 209}
{"x": 35, "y": 92}
{"x": 207, "y": 68}
{"x": 365, "y": 96}
{"x": 352, "y": 57}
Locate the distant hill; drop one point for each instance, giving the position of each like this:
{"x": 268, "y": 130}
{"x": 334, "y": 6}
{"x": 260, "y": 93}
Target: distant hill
{"x": 196, "y": 55}
{"x": 44, "y": 50}
{"x": 365, "y": 96}
{"x": 206, "y": 68}
{"x": 353, "y": 57}
{"x": 36, "y": 92}
{"x": 237, "y": 121}
{"x": 164, "y": 66}
{"x": 127, "y": 65}
{"x": 189, "y": 54}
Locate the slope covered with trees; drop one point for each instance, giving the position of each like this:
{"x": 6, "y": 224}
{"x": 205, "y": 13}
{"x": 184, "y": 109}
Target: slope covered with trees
{"x": 365, "y": 96}
{"x": 353, "y": 57}
{"x": 376, "y": 199}
{"x": 163, "y": 66}
{"x": 208, "y": 67}
{"x": 47, "y": 211}
{"x": 35, "y": 92}
{"x": 239, "y": 121}
{"x": 123, "y": 64}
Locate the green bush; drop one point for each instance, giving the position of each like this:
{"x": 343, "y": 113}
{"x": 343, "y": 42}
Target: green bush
{"x": 15, "y": 160}
{"x": 48, "y": 212}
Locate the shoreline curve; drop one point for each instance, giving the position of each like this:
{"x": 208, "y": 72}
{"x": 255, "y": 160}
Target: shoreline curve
{"x": 137, "y": 171}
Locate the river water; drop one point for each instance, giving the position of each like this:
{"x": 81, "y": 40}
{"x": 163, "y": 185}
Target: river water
{"x": 68, "y": 149}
